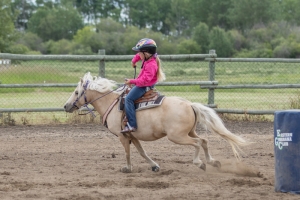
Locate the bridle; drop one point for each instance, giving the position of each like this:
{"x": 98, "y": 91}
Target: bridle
{"x": 86, "y": 103}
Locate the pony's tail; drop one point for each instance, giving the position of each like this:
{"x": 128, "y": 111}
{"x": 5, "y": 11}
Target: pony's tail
{"x": 215, "y": 124}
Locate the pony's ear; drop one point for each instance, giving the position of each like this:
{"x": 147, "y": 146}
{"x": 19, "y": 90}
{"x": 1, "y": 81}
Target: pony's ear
{"x": 81, "y": 80}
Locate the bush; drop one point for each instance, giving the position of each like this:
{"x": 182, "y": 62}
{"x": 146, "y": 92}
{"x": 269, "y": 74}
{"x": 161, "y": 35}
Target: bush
{"x": 256, "y": 53}
{"x": 237, "y": 39}
{"x": 32, "y": 41}
{"x": 188, "y": 47}
{"x": 61, "y": 47}
{"x": 282, "y": 51}
{"x": 33, "y": 53}
{"x": 18, "y": 49}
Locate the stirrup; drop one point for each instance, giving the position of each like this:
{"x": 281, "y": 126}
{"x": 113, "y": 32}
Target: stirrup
{"x": 128, "y": 130}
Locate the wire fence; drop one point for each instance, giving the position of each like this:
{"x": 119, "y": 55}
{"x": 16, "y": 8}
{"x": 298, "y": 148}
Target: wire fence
{"x": 255, "y": 86}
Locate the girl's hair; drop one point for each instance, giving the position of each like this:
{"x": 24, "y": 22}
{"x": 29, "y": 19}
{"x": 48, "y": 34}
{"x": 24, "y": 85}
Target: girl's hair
{"x": 160, "y": 74}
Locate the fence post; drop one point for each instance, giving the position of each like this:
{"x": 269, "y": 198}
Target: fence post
{"x": 101, "y": 64}
{"x": 211, "y": 91}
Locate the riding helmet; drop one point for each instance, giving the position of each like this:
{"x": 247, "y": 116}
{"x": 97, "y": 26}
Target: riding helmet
{"x": 145, "y": 45}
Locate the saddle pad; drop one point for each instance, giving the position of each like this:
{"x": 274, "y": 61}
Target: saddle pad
{"x": 144, "y": 105}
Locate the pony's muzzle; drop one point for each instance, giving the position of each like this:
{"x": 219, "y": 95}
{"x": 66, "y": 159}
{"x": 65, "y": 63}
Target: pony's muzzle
{"x": 69, "y": 108}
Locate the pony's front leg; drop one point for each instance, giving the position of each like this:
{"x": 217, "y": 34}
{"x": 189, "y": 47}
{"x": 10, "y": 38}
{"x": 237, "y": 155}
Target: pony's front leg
{"x": 137, "y": 144}
{"x": 126, "y": 144}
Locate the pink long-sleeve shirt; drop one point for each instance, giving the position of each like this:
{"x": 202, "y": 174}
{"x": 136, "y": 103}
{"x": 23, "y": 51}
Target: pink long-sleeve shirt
{"x": 148, "y": 74}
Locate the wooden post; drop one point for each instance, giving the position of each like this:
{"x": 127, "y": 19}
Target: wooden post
{"x": 211, "y": 76}
{"x": 101, "y": 64}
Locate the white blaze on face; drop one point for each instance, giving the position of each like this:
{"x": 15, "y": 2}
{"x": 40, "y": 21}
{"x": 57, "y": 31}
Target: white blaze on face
{"x": 72, "y": 98}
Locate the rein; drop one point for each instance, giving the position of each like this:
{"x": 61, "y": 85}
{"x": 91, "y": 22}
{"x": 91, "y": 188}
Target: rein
{"x": 85, "y": 99}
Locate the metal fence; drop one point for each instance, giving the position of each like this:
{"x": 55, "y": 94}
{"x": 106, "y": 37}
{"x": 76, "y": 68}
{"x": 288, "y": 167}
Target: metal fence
{"x": 42, "y": 83}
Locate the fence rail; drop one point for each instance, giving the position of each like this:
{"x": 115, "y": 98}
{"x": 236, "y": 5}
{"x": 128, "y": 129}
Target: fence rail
{"x": 100, "y": 57}
{"x": 201, "y": 83}
{"x": 250, "y": 74}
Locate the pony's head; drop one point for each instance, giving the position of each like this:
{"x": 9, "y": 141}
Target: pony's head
{"x": 82, "y": 95}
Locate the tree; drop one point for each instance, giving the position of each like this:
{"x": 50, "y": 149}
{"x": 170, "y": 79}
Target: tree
{"x": 109, "y": 25}
{"x": 23, "y": 10}
{"x": 92, "y": 10}
{"x": 7, "y": 32}
{"x": 155, "y": 14}
{"x": 220, "y": 41}
{"x": 290, "y": 11}
{"x": 55, "y": 23}
{"x": 213, "y": 13}
{"x": 201, "y": 36}
{"x": 244, "y": 14}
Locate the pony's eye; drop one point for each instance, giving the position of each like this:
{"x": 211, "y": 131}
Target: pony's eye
{"x": 76, "y": 92}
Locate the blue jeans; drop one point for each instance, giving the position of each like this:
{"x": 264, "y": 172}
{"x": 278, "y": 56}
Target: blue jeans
{"x": 134, "y": 94}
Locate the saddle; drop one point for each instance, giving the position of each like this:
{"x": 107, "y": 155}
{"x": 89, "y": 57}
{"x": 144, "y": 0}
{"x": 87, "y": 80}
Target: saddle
{"x": 151, "y": 95}
{"x": 152, "y": 98}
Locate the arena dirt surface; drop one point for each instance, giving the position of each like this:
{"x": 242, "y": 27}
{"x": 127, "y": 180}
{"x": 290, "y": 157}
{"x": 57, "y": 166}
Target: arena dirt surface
{"x": 83, "y": 162}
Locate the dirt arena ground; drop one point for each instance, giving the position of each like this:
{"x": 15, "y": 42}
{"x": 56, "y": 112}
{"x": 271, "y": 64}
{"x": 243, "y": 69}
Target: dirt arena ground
{"x": 83, "y": 162}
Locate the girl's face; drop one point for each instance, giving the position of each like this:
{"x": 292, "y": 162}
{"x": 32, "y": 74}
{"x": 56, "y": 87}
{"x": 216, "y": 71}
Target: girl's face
{"x": 143, "y": 54}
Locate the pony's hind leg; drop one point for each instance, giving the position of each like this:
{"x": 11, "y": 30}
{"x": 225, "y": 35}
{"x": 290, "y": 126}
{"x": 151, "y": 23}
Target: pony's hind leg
{"x": 208, "y": 157}
{"x": 204, "y": 144}
{"x": 137, "y": 144}
{"x": 194, "y": 141}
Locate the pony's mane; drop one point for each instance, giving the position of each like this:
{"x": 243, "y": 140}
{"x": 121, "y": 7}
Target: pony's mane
{"x": 97, "y": 83}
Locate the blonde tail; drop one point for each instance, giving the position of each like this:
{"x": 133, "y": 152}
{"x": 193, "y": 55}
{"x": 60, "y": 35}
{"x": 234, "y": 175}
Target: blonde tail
{"x": 214, "y": 124}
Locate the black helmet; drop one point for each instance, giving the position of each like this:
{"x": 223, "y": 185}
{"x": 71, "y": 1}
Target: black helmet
{"x": 145, "y": 45}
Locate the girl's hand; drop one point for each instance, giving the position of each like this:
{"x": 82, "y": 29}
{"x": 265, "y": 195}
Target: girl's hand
{"x": 127, "y": 81}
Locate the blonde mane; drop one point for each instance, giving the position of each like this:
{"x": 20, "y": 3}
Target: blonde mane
{"x": 97, "y": 83}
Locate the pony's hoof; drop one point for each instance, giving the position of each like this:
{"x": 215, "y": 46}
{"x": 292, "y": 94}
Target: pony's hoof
{"x": 125, "y": 170}
{"x": 203, "y": 166}
{"x": 155, "y": 168}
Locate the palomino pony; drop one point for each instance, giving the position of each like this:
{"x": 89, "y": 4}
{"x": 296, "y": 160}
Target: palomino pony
{"x": 176, "y": 118}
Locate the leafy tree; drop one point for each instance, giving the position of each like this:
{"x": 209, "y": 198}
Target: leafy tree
{"x": 220, "y": 41}
{"x": 23, "y": 10}
{"x": 109, "y": 25}
{"x": 56, "y": 23}
{"x": 167, "y": 16}
{"x": 213, "y": 13}
{"x": 7, "y": 33}
{"x": 178, "y": 18}
{"x": 201, "y": 36}
{"x": 290, "y": 11}
{"x": 92, "y": 10}
{"x": 244, "y": 14}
